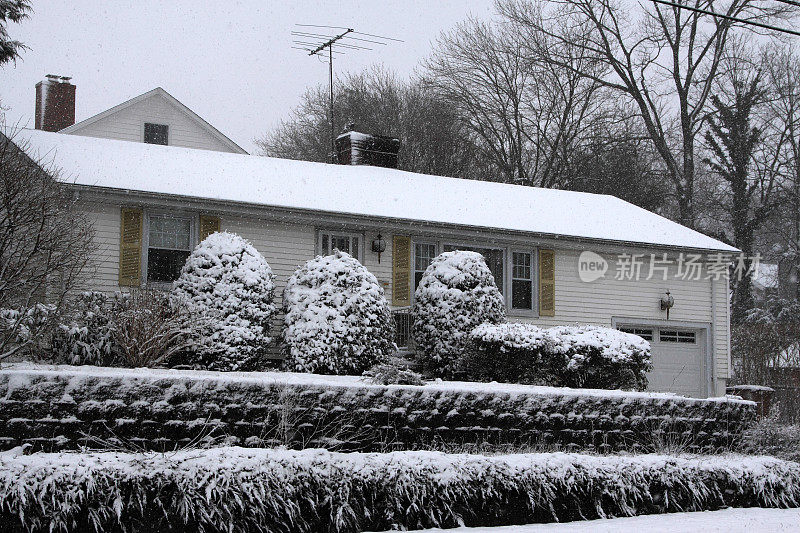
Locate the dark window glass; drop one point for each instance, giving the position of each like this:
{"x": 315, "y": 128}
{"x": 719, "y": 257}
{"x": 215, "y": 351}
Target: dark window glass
{"x": 521, "y": 281}
{"x": 646, "y": 334}
{"x": 165, "y": 265}
{"x": 423, "y": 256}
{"x": 687, "y": 337}
{"x": 343, "y": 243}
{"x": 156, "y": 133}
{"x": 169, "y": 245}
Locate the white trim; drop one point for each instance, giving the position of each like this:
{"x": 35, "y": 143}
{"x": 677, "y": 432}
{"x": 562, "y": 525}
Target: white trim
{"x": 214, "y": 132}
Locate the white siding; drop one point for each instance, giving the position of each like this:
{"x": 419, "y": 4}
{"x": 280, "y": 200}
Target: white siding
{"x": 128, "y": 125}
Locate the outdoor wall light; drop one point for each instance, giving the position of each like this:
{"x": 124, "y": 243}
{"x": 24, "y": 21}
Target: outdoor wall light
{"x": 379, "y": 246}
{"x": 667, "y": 302}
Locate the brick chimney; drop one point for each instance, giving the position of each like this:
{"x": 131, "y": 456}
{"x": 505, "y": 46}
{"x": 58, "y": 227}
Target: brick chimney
{"x": 55, "y": 103}
{"x": 355, "y": 148}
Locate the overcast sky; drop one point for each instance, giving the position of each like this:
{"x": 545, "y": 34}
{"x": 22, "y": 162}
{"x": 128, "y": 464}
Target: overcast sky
{"x": 231, "y": 62}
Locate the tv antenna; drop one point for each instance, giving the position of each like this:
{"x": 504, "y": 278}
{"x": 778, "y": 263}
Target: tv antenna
{"x": 315, "y": 39}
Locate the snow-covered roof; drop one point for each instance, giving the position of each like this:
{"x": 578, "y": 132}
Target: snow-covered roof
{"x": 356, "y": 190}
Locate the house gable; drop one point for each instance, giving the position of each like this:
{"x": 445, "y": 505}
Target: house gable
{"x": 127, "y": 121}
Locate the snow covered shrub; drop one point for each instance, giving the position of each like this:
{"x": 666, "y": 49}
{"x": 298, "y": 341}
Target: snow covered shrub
{"x": 85, "y": 338}
{"x": 24, "y": 333}
{"x": 271, "y": 490}
{"x": 388, "y": 374}
{"x": 152, "y": 328}
{"x": 337, "y": 319}
{"x": 228, "y": 283}
{"x": 601, "y": 358}
{"x": 510, "y": 353}
{"x": 565, "y": 356}
{"x": 457, "y": 293}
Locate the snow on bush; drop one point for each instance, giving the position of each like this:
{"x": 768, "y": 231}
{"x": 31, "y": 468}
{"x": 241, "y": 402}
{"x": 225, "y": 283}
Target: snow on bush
{"x": 267, "y": 490}
{"x": 86, "y": 337}
{"x": 337, "y": 319}
{"x": 229, "y": 284}
{"x": 568, "y": 356}
{"x": 457, "y": 293}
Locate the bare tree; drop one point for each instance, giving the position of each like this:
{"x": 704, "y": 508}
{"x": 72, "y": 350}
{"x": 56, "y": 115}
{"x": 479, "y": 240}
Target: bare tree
{"x": 524, "y": 113}
{"x": 735, "y": 135}
{"x": 11, "y": 11}
{"x": 782, "y": 75}
{"x": 44, "y": 247}
{"x": 666, "y": 61}
{"x": 376, "y": 101}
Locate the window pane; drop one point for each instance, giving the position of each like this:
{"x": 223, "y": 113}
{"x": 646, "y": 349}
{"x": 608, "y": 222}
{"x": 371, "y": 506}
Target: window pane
{"x": 521, "y": 294}
{"x": 156, "y": 133}
{"x": 165, "y": 265}
{"x": 324, "y": 244}
{"x": 354, "y": 249}
{"x": 171, "y": 233}
{"x": 341, "y": 243}
{"x": 522, "y": 266}
{"x": 646, "y": 334}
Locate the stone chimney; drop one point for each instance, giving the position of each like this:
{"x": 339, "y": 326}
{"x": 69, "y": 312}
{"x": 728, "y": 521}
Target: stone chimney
{"x": 55, "y": 103}
{"x": 355, "y": 148}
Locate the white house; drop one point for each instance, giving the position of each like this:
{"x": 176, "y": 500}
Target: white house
{"x": 558, "y": 257}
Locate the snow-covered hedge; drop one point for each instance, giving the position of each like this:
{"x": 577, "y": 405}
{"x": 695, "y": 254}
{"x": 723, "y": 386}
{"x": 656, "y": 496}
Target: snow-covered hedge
{"x": 565, "y": 356}
{"x": 248, "y": 490}
{"x": 457, "y": 293}
{"x": 229, "y": 284}
{"x": 85, "y": 338}
{"x": 66, "y": 407}
{"x": 337, "y": 319}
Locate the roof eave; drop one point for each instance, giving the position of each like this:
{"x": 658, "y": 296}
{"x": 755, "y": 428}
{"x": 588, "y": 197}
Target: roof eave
{"x": 355, "y": 216}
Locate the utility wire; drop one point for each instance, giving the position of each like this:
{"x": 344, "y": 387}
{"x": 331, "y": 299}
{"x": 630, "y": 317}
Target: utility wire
{"x": 727, "y": 17}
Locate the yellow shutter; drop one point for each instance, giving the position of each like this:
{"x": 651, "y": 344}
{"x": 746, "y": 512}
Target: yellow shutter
{"x": 547, "y": 283}
{"x": 208, "y": 225}
{"x": 401, "y": 271}
{"x": 130, "y": 247}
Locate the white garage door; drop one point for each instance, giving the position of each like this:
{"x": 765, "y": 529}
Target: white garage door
{"x": 678, "y": 359}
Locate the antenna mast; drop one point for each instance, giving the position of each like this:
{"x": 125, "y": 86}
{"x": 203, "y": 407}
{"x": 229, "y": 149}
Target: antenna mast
{"x": 308, "y": 41}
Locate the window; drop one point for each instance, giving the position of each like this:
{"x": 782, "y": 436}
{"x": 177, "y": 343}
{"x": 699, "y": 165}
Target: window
{"x": 521, "y": 281}
{"x": 340, "y": 241}
{"x": 169, "y": 244}
{"x": 666, "y": 335}
{"x": 646, "y": 334}
{"x": 424, "y": 253}
{"x": 156, "y": 133}
{"x": 493, "y": 257}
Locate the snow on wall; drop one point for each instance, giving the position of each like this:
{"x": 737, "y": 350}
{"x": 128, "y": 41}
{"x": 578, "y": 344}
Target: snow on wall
{"x": 57, "y": 407}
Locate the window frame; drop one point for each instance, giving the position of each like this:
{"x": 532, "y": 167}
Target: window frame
{"x": 680, "y": 337}
{"x": 508, "y": 250}
{"x": 414, "y": 270}
{"x": 144, "y": 132}
{"x": 160, "y": 213}
{"x": 350, "y": 234}
{"x": 534, "y": 279}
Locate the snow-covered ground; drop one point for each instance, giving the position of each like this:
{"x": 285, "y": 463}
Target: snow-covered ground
{"x": 748, "y": 520}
